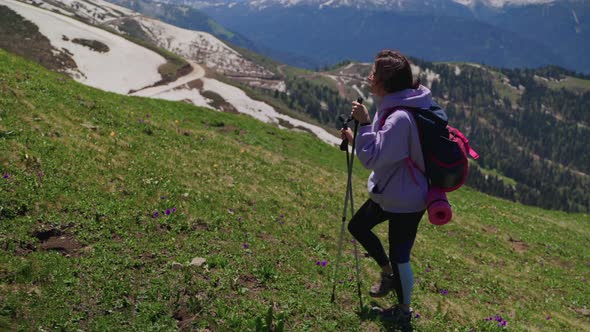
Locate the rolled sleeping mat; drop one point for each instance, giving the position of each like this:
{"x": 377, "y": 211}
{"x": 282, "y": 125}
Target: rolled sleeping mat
{"x": 439, "y": 209}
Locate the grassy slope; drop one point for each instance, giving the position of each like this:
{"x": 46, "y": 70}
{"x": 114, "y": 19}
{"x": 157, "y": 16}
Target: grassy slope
{"x": 570, "y": 83}
{"x": 236, "y": 182}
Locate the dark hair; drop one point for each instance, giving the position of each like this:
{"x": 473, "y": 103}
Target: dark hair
{"x": 394, "y": 72}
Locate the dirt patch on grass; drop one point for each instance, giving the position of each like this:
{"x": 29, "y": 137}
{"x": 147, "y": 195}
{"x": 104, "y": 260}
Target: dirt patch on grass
{"x": 518, "y": 245}
{"x": 54, "y": 239}
{"x": 582, "y": 311}
{"x": 232, "y": 129}
{"x": 183, "y": 316}
{"x": 24, "y": 248}
{"x": 490, "y": 229}
{"x": 249, "y": 281}
{"x": 199, "y": 225}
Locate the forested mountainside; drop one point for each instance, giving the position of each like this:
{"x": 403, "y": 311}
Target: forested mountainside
{"x": 528, "y": 128}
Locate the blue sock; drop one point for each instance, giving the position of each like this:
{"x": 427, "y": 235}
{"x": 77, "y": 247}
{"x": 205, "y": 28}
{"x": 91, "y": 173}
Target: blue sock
{"x": 406, "y": 277}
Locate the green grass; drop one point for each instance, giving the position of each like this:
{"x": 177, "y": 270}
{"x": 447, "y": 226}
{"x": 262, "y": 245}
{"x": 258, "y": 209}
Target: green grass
{"x": 507, "y": 180}
{"x": 569, "y": 83}
{"x": 262, "y": 205}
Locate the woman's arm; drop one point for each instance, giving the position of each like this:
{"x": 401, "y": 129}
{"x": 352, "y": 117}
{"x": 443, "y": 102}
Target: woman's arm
{"x": 386, "y": 146}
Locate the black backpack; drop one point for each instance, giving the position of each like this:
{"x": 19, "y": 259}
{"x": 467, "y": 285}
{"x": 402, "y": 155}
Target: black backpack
{"x": 444, "y": 148}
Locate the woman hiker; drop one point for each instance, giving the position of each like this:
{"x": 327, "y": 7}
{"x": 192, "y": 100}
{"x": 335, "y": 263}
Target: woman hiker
{"x": 390, "y": 147}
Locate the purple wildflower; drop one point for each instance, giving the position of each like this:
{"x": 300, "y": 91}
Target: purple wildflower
{"x": 324, "y": 263}
{"x": 340, "y": 282}
{"x": 318, "y": 263}
{"x": 444, "y": 292}
{"x": 350, "y": 279}
{"x": 417, "y": 315}
{"x": 240, "y": 219}
{"x": 156, "y": 214}
{"x": 6, "y": 176}
{"x": 173, "y": 209}
{"x": 167, "y": 212}
{"x": 162, "y": 197}
{"x": 245, "y": 245}
{"x": 230, "y": 210}
{"x": 282, "y": 216}
{"x": 548, "y": 318}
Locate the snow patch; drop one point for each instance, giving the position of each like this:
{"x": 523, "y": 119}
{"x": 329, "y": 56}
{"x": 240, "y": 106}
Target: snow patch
{"x": 201, "y": 47}
{"x": 96, "y": 11}
{"x": 124, "y": 67}
{"x": 260, "y": 110}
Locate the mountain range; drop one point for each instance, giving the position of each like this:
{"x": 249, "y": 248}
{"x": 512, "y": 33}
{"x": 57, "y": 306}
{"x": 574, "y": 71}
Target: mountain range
{"x": 499, "y": 33}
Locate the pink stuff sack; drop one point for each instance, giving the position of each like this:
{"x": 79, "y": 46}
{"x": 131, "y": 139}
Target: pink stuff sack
{"x": 439, "y": 209}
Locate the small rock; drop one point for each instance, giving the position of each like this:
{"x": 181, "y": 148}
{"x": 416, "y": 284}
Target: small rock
{"x": 197, "y": 261}
{"x": 176, "y": 266}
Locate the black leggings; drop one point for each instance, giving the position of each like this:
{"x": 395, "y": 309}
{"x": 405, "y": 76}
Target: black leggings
{"x": 402, "y": 232}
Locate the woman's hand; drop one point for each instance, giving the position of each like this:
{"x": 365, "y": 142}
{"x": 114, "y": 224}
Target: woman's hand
{"x": 360, "y": 113}
{"x": 346, "y": 134}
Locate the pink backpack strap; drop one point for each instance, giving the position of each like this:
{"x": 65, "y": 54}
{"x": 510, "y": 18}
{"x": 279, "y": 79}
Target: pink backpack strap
{"x": 462, "y": 137}
{"x": 411, "y": 165}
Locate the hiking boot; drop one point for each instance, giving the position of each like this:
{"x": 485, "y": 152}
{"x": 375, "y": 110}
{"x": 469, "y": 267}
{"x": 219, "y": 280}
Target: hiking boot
{"x": 384, "y": 287}
{"x": 396, "y": 314}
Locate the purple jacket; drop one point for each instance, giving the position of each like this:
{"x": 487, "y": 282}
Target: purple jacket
{"x": 393, "y": 153}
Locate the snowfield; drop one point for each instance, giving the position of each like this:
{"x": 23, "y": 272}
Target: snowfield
{"x": 200, "y": 47}
{"x": 124, "y": 67}
{"x": 95, "y": 11}
{"x": 261, "y": 110}
{"x": 181, "y": 90}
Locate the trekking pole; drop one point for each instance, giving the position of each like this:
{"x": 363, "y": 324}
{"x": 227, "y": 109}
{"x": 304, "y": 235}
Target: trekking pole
{"x": 349, "y": 164}
{"x": 356, "y": 253}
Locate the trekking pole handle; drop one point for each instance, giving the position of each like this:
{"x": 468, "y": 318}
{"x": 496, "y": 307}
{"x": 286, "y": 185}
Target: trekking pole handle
{"x": 344, "y": 144}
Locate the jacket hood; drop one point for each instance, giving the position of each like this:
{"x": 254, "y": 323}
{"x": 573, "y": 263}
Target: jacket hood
{"x": 415, "y": 98}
